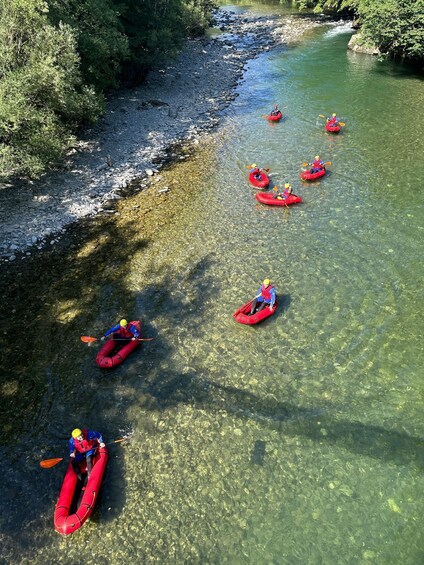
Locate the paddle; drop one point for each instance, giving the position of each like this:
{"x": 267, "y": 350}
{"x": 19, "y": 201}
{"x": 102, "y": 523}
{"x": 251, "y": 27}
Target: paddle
{"x": 89, "y": 339}
{"x": 327, "y": 164}
{"x": 284, "y": 202}
{"x": 48, "y": 463}
{"x": 338, "y": 123}
{"x": 255, "y": 167}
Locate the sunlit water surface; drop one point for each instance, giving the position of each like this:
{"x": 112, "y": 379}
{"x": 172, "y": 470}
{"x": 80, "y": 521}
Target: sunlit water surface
{"x": 297, "y": 441}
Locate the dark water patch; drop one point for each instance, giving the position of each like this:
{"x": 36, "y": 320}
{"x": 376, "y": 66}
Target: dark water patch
{"x": 258, "y": 452}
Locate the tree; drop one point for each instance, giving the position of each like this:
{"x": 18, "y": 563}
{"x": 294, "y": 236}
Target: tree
{"x": 42, "y": 96}
{"x": 101, "y": 41}
{"x": 396, "y": 27}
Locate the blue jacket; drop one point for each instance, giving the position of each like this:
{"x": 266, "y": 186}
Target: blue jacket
{"x": 116, "y": 328}
{"x": 90, "y": 435}
{"x": 273, "y": 296}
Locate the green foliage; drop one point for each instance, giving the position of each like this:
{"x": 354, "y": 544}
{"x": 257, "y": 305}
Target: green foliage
{"x": 41, "y": 93}
{"x": 101, "y": 42}
{"x": 395, "y": 26}
{"x": 156, "y": 29}
{"x": 57, "y": 57}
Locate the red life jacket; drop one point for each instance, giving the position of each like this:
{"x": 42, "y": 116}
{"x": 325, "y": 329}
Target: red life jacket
{"x": 332, "y": 121}
{"x": 317, "y": 165}
{"x": 266, "y": 292}
{"x": 125, "y": 332}
{"x": 84, "y": 445}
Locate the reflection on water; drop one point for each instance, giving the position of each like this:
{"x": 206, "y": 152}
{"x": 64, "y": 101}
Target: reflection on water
{"x": 282, "y": 443}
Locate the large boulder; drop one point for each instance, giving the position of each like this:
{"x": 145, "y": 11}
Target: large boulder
{"x": 358, "y": 45}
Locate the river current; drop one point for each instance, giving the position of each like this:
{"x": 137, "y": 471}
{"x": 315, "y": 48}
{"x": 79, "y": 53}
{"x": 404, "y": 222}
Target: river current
{"x": 299, "y": 441}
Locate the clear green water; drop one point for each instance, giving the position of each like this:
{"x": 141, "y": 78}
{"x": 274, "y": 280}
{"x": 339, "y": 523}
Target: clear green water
{"x": 299, "y": 441}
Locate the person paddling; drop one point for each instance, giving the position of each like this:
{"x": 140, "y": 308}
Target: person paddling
{"x": 266, "y": 297}
{"x": 256, "y": 171}
{"x": 288, "y": 191}
{"x": 275, "y": 111}
{"x": 123, "y": 330}
{"x": 333, "y": 121}
{"x": 82, "y": 445}
{"x": 317, "y": 165}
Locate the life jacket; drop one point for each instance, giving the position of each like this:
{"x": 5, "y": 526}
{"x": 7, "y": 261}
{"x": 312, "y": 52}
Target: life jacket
{"x": 266, "y": 292}
{"x": 125, "y": 332}
{"x": 286, "y": 194}
{"x": 332, "y": 121}
{"x": 317, "y": 165}
{"x": 84, "y": 445}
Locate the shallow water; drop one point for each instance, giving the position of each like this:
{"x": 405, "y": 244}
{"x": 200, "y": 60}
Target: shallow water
{"x": 297, "y": 441}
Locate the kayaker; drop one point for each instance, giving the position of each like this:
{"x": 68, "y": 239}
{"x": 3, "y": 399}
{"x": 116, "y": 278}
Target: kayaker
{"x": 82, "y": 445}
{"x": 266, "y": 297}
{"x": 123, "y": 330}
{"x": 287, "y": 192}
{"x": 333, "y": 121}
{"x": 257, "y": 174}
{"x": 256, "y": 171}
{"x": 275, "y": 111}
{"x": 317, "y": 165}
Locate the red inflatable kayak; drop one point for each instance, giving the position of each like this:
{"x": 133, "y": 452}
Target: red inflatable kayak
{"x": 261, "y": 182}
{"x": 106, "y": 358}
{"x": 274, "y": 117}
{"x": 75, "y": 503}
{"x": 307, "y": 175}
{"x": 242, "y": 315}
{"x": 332, "y": 129}
{"x": 268, "y": 198}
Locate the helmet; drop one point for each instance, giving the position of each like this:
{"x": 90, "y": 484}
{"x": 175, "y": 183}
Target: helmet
{"x": 287, "y": 185}
{"x": 317, "y": 157}
{"x": 267, "y": 282}
{"x": 123, "y": 323}
{"x": 75, "y": 433}
{"x": 276, "y": 106}
{"x": 253, "y": 165}
{"x": 334, "y": 115}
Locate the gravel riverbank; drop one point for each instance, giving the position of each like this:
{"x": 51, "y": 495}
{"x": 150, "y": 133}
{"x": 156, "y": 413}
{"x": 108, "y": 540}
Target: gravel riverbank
{"x": 140, "y": 131}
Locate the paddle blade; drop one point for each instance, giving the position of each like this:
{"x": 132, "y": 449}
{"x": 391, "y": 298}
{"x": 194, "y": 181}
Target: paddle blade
{"x": 88, "y": 339}
{"x": 321, "y": 115}
{"x": 47, "y": 463}
{"x": 145, "y": 338}
{"x": 328, "y": 163}
{"x": 305, "y": 164}
{"x": 342, "y": 124}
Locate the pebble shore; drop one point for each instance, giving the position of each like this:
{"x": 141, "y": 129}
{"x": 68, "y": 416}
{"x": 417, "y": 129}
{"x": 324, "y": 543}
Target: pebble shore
{"x": 140, "y": 131}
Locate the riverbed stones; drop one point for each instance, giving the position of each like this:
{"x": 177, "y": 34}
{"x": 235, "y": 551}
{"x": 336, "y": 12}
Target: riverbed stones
{"x": 131, "y": 142}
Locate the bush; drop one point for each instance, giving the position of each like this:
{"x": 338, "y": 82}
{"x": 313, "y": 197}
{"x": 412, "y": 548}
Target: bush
{"x": 42, "y": 97}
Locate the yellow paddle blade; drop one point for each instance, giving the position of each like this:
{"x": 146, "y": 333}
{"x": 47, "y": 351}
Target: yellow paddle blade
{"x": 342, "y": 124}
{"x": 321, "y": 115}
{"x": 47, "y": 463}
{"x": 305, "y": 164}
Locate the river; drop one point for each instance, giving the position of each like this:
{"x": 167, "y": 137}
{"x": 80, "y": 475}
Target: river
{"x": 299, "y": 441}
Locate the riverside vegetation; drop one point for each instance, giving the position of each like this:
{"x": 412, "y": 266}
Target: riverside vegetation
{"x": 395, "y": 27}
{"x": 58, "y": 59}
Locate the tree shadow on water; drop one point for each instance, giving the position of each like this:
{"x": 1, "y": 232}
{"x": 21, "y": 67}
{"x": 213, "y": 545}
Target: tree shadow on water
{"x": 318, "y": 424}
{"x": 48, "y": 389}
